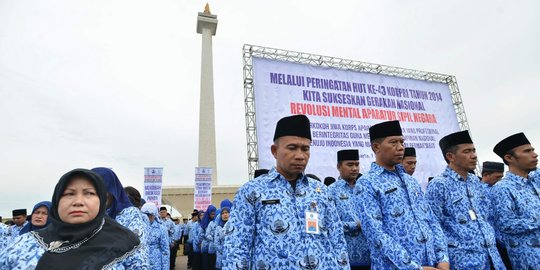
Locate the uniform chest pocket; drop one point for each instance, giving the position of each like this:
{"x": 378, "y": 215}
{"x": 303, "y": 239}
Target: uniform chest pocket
{"x": 457, "y": 207}
{"x": 393, "y": 201}
{"x": 270, "y": 208}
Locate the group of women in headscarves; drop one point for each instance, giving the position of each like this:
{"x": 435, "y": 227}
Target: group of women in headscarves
{"x": 89, "y": 224}
{"x": 208, "y": 237}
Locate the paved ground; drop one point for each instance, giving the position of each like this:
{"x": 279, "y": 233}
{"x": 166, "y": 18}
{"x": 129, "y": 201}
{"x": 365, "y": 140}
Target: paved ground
{"x": 181, "y": 261}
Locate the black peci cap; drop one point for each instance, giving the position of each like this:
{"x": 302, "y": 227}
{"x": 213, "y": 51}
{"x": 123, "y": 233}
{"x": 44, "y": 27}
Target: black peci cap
{"x": 490, "y": 166}
{"x": 349, "y": 154}
{"x": 456, "y": 138}
{"x": 295, "y": 125}
{"x": 409, "y": 152}
{"x": 19, "y": 212}
{"x": 385, "y": 129}
{"x": 510, "y": 143}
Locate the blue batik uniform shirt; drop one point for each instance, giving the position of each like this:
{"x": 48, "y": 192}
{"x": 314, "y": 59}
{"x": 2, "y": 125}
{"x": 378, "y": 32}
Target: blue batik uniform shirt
{"x": 26, "y": 251}
{"x": 5, "y": 235}
{"x": 342, "y": 194}
{"x": 267, "y": 227}
{"x": 15, "y": 230}
{"x": 177, "y": 232}
{"x": 462, "y": 209}
{"x": 516, "y": 203}
{"x": 188, "y": 230}
{"x": 397, "y": 221}
{"x": 196, "y": 233}
{"x": 158, "y": 246}
{"x": 488, "y": 190}
{"x": 169, "y": 225}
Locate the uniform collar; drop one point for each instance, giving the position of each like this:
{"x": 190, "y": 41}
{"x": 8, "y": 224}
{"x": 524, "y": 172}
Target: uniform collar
{"x": 274, "y": 175}
{"x": 450, "y": 173}
{"x": 516, "y": 178}
{"x": 378, "y": 170}
{"x": 344, "y": 183}
{"x": 22, "y": 226}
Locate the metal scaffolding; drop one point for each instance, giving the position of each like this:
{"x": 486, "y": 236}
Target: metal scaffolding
{"x": 250, "y": 51}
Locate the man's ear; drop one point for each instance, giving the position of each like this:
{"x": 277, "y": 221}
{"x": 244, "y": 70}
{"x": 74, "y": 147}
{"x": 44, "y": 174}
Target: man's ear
{"x": 376, "y": 147}
{"x": 508, "y": 158}
{"x": 449, "y": 156}
{"x": 273, "y": 149}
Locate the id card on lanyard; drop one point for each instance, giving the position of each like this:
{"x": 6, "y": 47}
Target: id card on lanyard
{"x": 312, "y": 219}
{"x": 312, "y": 222}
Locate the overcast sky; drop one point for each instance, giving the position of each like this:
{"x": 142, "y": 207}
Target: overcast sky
{"x": 116, "y": 83}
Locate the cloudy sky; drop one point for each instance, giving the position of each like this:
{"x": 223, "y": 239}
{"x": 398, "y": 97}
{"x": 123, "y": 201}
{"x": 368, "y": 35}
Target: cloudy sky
{"x": 116, "y": 83}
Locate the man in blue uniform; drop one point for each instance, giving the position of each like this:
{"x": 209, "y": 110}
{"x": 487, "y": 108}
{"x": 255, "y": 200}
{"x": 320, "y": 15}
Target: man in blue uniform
{"x": 19, "y": 220}
{"x": 516, "y": 200}
{"x": 492, "y": 172}
{"x": 189, "y": 241}
{"x": 409, "y": 160}
{"x": 342, "y": 192}
{"x": 459, "y": 202}
{"x": 396, "y": 219}
{"x": 285, "y": 220}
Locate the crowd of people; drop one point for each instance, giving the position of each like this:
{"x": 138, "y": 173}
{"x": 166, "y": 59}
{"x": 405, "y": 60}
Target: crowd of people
{"x": 93, "y": 222}
{"x": 286, "y": 219}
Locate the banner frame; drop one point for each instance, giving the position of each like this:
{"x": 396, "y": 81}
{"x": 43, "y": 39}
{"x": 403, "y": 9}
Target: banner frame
{"x": 250, "y": 51}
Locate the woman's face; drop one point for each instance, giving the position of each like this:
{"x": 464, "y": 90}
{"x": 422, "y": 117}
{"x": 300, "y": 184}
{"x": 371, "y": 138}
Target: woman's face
{"x": 79, "y": 203}
{"x": 39, "y": 217}
{"x": 225, "y": 215}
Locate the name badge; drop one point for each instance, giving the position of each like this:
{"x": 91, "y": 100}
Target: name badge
{"x": 472, "y": 214}
{"x": 271, "y": 201}
{"x": 312, "y": 222}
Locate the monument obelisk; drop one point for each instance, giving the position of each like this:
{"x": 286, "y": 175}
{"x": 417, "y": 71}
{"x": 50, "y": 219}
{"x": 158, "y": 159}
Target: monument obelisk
{"x": 206, "y": 25}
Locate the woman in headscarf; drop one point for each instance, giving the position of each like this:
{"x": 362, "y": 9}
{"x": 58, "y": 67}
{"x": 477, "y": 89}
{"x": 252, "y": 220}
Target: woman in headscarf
{"x": 158, "y": 244}
{"x": 80, "y": 236}
{"x": 39, "y": 218}
{"x": 209, "y": 240}
{"x": 219, "y": 235}
{"x": 195, "y": 234}
{"x": 205, "y": 222}
{"x": 119, "y": 207}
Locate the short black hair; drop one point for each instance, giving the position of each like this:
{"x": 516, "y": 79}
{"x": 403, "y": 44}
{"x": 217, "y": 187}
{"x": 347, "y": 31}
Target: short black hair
{"x": 452, "y": 149}
{"x": 377, "y": 140}
{"x": 510, "y": 152}
{"x": 134, "y": 196}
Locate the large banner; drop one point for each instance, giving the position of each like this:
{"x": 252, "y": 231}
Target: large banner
{"x": 202, "y": 196}
{"x": 152, "y": 185}
{"x": 342, "y": 105}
